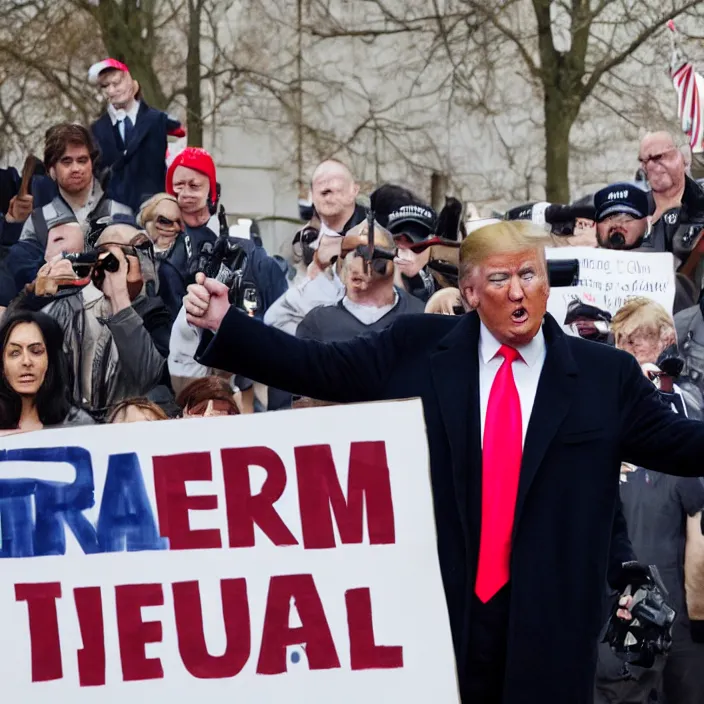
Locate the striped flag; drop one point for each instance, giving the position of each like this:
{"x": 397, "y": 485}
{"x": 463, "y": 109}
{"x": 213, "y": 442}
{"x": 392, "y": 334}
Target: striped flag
{"x": 690, "y": 93}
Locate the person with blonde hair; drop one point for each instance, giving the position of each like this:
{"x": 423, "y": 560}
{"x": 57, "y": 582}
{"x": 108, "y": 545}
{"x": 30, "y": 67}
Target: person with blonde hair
{"x": 643, "y": 328}
{"x": 527, "y": 428}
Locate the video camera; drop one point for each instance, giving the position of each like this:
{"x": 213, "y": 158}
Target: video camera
{"x": 227, "y": 261}
{"x": 649, "y": 633}
{"x": 560, "y": 218}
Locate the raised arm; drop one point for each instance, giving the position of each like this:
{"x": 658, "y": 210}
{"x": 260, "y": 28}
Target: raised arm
{"x": 341, "y": 372}
{"x": 357, "y": 370}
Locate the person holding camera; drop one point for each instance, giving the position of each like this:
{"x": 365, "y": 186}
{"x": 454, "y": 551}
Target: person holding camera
{"x": 370, "y": 301}
{"x": 333, "y": 210}
{"x": 192, "y": 180}
{"x": 69, "y": 156}
{"x": 656, "y": 507}
{"x": 116, "y": 335}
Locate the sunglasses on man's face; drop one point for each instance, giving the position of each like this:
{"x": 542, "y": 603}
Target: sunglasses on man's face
{"x": 166, "y": 222}
{"x": 646, "y": 161}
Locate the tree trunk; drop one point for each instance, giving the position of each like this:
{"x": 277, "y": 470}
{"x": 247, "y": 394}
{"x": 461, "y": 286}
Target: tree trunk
{"x": 439, "y": 186}
{"x": 559, "y": 118}
{"x": 127, "y": 33}
{"x": 194, "y": 103}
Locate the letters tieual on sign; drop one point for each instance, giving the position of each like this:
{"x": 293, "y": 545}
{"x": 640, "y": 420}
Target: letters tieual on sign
{"x": 36, "y": 516}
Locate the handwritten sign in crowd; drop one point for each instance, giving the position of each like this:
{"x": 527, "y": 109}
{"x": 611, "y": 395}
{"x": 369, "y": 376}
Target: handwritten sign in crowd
{"x": 282, "y": 557}
{"x": 608, "y": 278}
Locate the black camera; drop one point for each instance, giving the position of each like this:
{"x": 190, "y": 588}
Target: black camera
{"x": 563, "y": 272}
{"x": 89, "y": 265}
{"x": 649, "y": 632}
{"x": 227, "y": 261}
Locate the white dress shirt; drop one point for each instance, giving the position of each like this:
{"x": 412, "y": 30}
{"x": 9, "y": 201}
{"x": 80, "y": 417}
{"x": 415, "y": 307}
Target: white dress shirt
{"x": 526, "y": 372}
{"x": 117, "y": 117}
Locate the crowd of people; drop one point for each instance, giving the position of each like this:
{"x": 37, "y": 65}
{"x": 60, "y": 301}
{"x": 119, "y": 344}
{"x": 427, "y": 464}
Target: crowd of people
{"x": 100, "y": 241}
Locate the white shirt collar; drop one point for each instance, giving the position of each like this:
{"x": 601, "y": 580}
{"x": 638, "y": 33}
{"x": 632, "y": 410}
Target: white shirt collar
{"x": 117, "y": 115}
{"x": 368, "y": 315}
{"x": 531, "y": 353}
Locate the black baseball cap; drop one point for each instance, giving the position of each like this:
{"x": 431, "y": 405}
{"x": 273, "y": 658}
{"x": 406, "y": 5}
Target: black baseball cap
{"x": 416, "y": 221}
{"x": 621, "y": 198}
{"x": 577, "y": 309}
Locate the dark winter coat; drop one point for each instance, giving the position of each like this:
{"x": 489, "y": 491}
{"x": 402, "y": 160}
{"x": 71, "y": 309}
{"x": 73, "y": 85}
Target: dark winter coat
{"x": 139, "y": 171}
{"x": 593, "y": 409}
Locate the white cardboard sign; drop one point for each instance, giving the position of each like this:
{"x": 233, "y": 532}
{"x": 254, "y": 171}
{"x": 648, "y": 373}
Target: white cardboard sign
{"x": 608, "y": 278}
{"x": 282, "y": 557}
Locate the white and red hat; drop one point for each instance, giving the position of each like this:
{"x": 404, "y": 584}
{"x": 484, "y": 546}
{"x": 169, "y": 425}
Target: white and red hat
{"x": 96, "y": 69}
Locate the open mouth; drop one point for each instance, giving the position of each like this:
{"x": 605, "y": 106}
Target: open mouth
{"x": 26, "y": 378}
{"x": 520, "y": 315}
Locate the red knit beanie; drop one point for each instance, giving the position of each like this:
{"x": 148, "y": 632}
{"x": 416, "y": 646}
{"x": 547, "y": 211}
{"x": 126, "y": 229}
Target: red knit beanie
{"x": 197, "y": 159}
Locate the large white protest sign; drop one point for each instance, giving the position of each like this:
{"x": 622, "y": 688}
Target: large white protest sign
{"x": 608, "y": 278}
{"x": 287, "y": 557}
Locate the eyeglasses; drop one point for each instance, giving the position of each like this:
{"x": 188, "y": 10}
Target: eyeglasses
{"x": 212, "y": 407}
{"x": 655, "y": 158}
{"x": 166, "y": 222}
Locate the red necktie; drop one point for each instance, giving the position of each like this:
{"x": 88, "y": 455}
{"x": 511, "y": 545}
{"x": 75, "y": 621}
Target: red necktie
{"x": 501, "y": 468}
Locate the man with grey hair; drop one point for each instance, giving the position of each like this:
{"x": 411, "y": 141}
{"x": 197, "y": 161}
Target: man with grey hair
{"x": 527, "y": 428}
{"x": 334, "y": 193}
{"x": 116, "y": 336}
{"x": 676, "y": 200}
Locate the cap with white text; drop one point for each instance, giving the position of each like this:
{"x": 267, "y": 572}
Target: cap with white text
{"x": 621, "y": 198}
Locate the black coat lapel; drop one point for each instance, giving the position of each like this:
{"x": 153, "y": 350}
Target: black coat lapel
{"x": 455, "y": 371}
{"x": 552, "y": 402}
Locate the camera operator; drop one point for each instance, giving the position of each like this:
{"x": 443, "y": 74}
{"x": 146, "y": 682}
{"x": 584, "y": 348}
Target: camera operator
{"x": 656, "y": 507}
{"x": 191, "y": 178}
{"x": 334, "y": 211}
{"x": 623, "y": 223}
{"x": 370, "y": 301}
{"x": 116, "y": 336}
{"x": 69, "y": 156}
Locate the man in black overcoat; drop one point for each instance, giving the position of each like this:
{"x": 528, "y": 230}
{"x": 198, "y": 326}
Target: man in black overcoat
{"x": 132, "y": 136}
{"x": 525, "y": 611}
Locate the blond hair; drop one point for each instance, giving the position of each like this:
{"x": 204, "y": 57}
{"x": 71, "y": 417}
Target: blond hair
{"x": 640, "y": 313}
{"x": 500, "y": 238}
{"x": 146, "y": 212}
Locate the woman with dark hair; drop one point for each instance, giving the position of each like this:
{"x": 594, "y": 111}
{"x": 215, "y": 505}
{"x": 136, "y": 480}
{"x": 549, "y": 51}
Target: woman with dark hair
{"x": 135, "y": 409}
{"x": 35, "y": 381}
{"x": 207, "y": 397}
